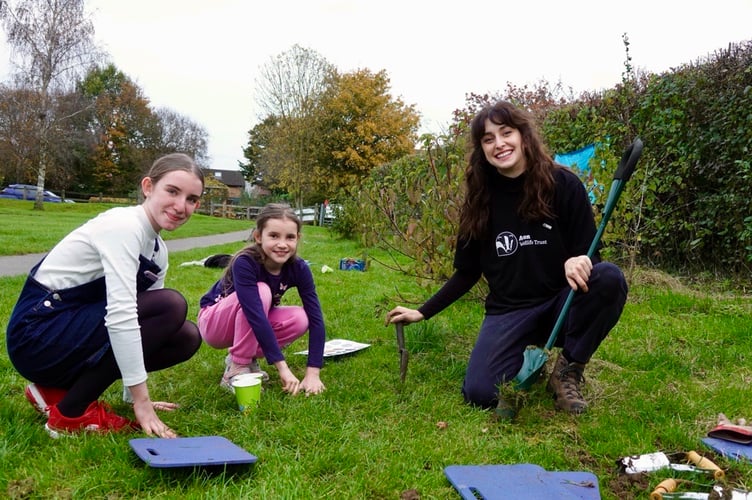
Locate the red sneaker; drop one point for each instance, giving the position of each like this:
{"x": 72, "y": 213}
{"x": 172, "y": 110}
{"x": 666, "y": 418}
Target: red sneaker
{"x": 96, "y": 418}
{"x": 41, "y": 397}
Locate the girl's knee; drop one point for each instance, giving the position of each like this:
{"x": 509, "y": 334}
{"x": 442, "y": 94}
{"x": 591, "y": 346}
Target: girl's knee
{"x": 480, "y": 394}
{"x": 192, "y": 337}
{"x": 289, "y": 319}
{"x": 610, "y": 278}
{"x": 300, "y": 319}
{"x": 607, "y": 271}
{"x": 175, "y": 301}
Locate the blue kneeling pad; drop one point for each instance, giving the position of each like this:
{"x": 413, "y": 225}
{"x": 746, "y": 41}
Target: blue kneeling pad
{"x": 527, "y": 481}
{"x": 190, "y": 451}
{"x": 730, "y": 449}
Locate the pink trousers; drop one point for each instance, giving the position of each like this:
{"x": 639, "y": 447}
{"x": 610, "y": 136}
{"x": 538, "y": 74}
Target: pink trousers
{"x": 224, "y": 325}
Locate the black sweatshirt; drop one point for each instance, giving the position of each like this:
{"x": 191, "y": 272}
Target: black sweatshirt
{"x": 523, "y": 262}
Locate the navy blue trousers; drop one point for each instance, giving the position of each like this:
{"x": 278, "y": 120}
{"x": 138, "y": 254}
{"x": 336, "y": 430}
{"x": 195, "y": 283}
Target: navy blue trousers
{"x": 58, "y": 338}
{"x": 498, "y": 352}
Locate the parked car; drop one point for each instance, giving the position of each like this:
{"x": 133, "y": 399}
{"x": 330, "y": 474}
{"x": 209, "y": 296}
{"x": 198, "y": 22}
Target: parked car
{"x": 28, "y": 192}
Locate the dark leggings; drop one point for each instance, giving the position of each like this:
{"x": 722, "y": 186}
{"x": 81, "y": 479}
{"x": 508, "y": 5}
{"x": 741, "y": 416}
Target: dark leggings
{"x": 498, "y": 352}
{"x": 167, "y": 339}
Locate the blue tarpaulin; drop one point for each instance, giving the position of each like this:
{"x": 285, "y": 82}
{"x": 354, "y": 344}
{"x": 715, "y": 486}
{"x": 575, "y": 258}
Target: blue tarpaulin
{"x": 579, "y": 161}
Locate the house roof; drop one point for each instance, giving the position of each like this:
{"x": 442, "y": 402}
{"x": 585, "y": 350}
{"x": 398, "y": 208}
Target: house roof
{"x": 230, "y": 178}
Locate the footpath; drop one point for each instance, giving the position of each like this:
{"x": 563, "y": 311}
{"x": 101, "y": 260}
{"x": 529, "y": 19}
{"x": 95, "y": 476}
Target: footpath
{"x": 14, "y": 265}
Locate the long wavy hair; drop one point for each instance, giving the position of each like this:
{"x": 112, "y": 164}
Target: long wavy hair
{"x": 271, "y": 211}
{"x": 538, "y": 189}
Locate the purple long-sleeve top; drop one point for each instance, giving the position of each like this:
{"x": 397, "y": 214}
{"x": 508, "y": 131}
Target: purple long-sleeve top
{"x": 246, "y": 274}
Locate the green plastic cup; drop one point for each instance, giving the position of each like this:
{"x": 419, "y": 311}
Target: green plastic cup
{"x": 247, "y": 392}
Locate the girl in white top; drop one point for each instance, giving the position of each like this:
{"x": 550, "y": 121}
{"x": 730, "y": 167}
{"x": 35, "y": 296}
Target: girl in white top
{"x": 94, "y": 310}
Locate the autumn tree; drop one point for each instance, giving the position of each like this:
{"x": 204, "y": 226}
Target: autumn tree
{"x": 18, "y": 132}
{"x": 51, "y": 40}
{"x": 359, "y": 126}
{"x": 288, "y": 89}
{"x": 178, "y": 133}
{"x": 70, "y": 143}
{"x": 128, "y": 132}
{"x": 258, "y": 154}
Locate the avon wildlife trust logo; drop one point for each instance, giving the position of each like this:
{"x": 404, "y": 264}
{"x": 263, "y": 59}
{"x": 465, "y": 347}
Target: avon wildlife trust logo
{"x": 506, "y": 244}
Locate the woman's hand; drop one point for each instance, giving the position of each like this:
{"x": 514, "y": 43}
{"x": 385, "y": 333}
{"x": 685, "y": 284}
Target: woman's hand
{"x": 150, "y": 422}
{"x": 311, "y": 383}
{"x": 146, "y": 416}
{"x": 165, "y": 405}
{"x": 403, "y": 315}
{"x": 577, "y": 271}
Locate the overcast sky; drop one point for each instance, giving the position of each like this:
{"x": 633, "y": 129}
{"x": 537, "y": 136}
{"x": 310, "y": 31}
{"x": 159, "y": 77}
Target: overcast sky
{"x": 200, "y": 58}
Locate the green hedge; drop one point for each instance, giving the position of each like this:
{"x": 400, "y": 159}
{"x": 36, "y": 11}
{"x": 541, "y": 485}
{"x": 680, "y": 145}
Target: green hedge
{"x": 687, "y": 208}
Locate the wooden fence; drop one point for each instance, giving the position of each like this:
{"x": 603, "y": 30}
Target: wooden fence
{"x": 309, "y": 215}
{"x": 230, "y": 211}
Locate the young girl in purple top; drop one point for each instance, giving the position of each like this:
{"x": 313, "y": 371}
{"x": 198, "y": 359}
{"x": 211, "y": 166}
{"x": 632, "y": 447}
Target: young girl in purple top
{"x": 242, "y": 309}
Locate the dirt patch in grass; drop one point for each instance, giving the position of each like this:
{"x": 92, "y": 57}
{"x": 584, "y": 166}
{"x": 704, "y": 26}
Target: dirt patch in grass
{"x": 626, "y": 486}
{"x": 654, "y": 278}
{"x": 698, "y": 285}
{"x": 410, "y": 495}
{"x": 21, "y": 488}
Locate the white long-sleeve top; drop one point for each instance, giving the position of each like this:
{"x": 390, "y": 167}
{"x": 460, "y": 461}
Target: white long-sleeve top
{"x": 109, "y": 245}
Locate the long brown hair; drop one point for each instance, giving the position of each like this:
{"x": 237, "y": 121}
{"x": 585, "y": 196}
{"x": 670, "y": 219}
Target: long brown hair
{"x": 538, "y": 190}
{"x": 270, "y": 211}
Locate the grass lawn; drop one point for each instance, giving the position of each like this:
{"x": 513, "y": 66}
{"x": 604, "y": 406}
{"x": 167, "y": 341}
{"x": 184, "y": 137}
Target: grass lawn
{"x": 675, "y": 360}
{"x": 25, "y": 230}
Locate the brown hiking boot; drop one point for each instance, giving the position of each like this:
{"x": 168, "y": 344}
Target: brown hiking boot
{"x": 565, "y": 384}
{"x": 504, "y": 412}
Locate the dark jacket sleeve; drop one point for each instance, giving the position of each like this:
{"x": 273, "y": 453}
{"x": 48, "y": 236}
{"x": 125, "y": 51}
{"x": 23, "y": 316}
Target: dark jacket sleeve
{"x": 456, "y": 286}
{"x": 312, "y": 306}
